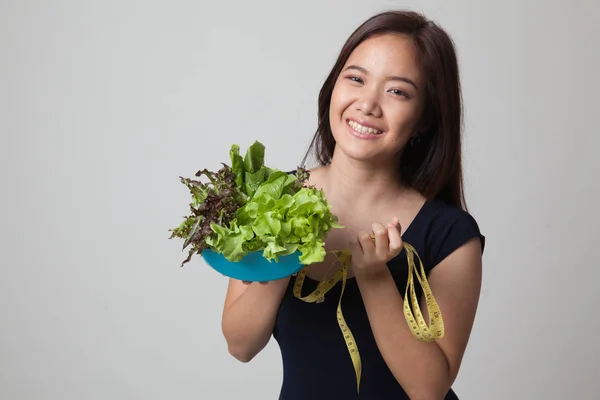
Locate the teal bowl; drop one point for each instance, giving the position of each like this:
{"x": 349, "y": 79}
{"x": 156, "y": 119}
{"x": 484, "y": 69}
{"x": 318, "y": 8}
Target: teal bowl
{"x": 254, "y": 267}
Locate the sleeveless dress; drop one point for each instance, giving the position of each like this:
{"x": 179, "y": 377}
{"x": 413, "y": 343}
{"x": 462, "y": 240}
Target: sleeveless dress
{"x": 316, "y": 362}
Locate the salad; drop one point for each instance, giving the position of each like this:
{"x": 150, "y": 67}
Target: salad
{"x": 248, "y": 207}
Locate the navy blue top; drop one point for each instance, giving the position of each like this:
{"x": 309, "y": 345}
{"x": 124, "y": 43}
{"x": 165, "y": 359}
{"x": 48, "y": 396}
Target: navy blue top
{"x": 316, "y": 362}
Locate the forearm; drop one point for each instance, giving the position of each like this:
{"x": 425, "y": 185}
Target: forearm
{"x": 421, "y": 368}
{"x": 248, "y": 322}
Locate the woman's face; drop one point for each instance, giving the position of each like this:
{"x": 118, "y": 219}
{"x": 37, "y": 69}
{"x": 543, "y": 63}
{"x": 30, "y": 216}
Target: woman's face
{"x": 377, "y": 100}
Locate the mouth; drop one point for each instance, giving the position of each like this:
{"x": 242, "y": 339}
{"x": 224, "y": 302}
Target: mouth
{"x": 364, "y": 130}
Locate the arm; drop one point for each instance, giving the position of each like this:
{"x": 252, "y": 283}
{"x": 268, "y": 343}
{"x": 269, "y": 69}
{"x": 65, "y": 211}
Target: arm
{"x": 249, "y": 316}
{"x": 425, "y": 370}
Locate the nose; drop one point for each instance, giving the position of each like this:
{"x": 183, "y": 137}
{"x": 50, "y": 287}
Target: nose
{"x": 368, "y": 104}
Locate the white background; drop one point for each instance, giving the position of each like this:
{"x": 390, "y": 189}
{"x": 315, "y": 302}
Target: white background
{"x": 104, "y": 104}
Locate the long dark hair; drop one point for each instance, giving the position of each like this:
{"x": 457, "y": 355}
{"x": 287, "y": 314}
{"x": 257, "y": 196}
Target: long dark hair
{"x": 431, "y": 163}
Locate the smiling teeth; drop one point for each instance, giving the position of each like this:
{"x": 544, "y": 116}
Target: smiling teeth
{"x": 363, "y": 129}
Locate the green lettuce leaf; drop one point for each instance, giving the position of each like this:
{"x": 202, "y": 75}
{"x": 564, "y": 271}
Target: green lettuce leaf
{"x": 255, "y": 157}
{"x": 237, "y": 165}
{"x": 250, "y": 171}
{"x": 254, "y": 180}
{"x": 230, "y": 240}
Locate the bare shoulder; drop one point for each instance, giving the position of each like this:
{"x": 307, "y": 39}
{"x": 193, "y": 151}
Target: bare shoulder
{"x": 316, "y": 176}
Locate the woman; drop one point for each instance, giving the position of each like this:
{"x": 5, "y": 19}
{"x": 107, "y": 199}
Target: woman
{"x": 388, "y": 144}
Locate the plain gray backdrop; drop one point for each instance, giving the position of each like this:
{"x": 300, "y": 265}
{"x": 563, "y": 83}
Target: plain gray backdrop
{"x": 104, "y": 104}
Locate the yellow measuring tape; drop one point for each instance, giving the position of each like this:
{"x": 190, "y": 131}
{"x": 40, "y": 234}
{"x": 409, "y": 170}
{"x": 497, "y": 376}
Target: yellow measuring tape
{"x": 416, "y": 322}
{"x": 316, "y": 296}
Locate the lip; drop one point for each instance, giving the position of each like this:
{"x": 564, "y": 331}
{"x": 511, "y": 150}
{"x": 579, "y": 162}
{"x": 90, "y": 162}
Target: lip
{"x": 364, "y": 136}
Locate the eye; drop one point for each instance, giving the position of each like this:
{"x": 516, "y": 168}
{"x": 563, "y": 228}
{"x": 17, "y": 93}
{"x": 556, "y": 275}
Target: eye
{"x": 399, "y": 92}
{"x": 355, "y": 79}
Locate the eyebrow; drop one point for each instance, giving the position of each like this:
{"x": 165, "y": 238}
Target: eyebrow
{"x": 393, "y": 78}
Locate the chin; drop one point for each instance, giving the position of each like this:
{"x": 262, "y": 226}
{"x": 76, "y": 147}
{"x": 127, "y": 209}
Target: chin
{"x": 357, "y": 151}
{"x": 358, "y": 148}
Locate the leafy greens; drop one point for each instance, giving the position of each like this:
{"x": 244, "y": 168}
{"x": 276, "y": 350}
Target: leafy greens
{"x": 249, "y": 207}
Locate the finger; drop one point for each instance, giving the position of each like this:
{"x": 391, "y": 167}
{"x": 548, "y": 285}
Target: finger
{"x": 381, "y": 239}
{"x": 366, "y": 243}
{"x": 355, "y": 246}
{"x": 246, "y": 282}
{"x": 395, "y": 246}
{"x": 397, "y": 225}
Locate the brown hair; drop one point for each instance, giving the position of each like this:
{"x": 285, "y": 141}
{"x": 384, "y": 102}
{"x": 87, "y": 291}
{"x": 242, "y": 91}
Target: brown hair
{"x": 431, "y": 163}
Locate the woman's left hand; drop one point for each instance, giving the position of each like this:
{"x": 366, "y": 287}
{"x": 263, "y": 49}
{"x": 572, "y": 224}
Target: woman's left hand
{"x": 372, "y": 251}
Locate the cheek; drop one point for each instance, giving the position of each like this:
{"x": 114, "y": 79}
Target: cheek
{"x": 403, "y": 119}
{"x": 340, "y": 99}
{"x": 334, "y": 106}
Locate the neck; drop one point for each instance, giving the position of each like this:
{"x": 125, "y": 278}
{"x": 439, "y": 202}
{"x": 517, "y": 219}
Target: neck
{"x": 359, "y": 182}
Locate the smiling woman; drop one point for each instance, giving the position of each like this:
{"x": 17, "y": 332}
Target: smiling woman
{"x": 388, "y": 145}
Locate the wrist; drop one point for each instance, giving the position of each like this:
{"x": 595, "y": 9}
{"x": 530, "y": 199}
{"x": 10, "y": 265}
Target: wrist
{"x": 372, "y": 274}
